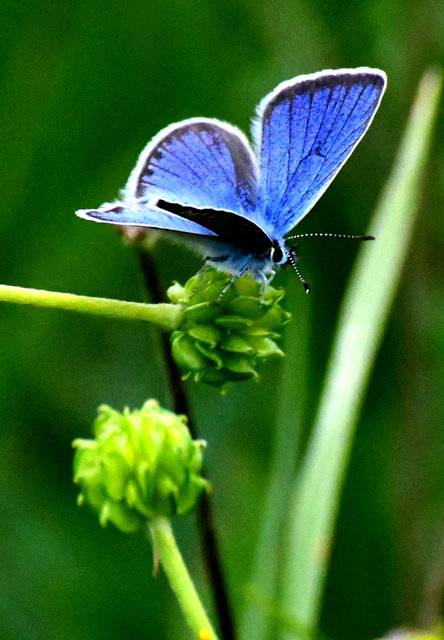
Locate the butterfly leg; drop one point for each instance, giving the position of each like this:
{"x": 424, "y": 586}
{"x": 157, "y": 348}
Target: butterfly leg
{"x": 231, "y": 282}
{"x": 264, "y": 277}
{"x": 198, "y": 275}
{"x": 264, "y": 280}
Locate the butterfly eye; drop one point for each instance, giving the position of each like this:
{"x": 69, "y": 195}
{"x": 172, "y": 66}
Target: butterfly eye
{"x": 276, "y": 253}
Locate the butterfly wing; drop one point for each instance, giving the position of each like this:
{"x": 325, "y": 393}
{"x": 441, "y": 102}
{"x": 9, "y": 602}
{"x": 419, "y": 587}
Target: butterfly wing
{"x": 306, "y": 130}
{"x": 192, "y": 168}
{"x": 231, "y": 228}
{"x": 201, "y": 162}
{"x": 144, "y": 215}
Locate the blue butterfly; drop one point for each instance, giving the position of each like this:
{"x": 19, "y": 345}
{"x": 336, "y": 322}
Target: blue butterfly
{"x": 201, "y": 179}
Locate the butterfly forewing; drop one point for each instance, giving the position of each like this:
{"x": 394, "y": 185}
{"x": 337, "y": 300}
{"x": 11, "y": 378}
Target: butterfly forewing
{"x": 307, "y": 129}
{"x": 200, "y": 162}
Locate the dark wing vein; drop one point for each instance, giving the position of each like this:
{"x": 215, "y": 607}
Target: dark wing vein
{"x": 325, "y": 155}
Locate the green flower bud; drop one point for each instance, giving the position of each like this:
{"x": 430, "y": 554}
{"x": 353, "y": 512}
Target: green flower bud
{"x": 225, "y": 337}
{"x": 141, "y": 464}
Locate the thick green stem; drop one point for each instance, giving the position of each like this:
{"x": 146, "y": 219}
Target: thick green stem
{"x": 180, "y": 581}
{"x": 166, "y": 316}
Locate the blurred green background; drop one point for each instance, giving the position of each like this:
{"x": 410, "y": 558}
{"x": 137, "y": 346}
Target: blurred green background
{"x": 84, "y": 85}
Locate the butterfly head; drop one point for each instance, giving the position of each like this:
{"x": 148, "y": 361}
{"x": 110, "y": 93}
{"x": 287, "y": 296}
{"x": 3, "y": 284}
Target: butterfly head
{"x": 282, "y": 255}
{"x": 278, "y": 253}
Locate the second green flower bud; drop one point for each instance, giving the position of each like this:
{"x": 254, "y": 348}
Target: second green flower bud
{"x": 140, "y": 464}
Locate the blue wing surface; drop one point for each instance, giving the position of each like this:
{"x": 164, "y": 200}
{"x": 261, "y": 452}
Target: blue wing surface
{"x": 306, "y": 130}
{"x": 144, "y": 216}
{"x": 201, "y": 162}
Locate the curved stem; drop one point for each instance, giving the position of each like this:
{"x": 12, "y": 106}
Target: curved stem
{"x": 180, "y": 581}
{"x": 210, "y": 546}
{"x": 166, "y": 316}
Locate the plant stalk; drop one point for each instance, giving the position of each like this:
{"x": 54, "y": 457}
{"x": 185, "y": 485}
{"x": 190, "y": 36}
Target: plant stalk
{"x": 180, "y": 581}
{"x": 165, "y": 316}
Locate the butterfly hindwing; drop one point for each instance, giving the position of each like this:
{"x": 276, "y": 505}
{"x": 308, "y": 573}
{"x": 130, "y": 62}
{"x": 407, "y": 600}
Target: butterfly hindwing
{"x": 144, "y": 216}
{"x": 201, "y": 162}
{"x": 232, "y": 228}
{"x": 307, "y": 129}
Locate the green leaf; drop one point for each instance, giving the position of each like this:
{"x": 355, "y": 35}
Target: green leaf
{"x": 361, "y": 323}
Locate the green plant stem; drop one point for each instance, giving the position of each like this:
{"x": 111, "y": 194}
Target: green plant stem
{"x": 180, "y": 581}
{"x": 361, "y": 323}
{"x": 165, "y": 316}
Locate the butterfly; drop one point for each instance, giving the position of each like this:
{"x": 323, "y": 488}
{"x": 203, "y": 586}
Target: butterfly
{"x": 201, "y": 179}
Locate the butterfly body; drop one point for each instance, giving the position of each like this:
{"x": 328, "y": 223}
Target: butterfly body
{"x": 240, "y": 245}
{"x": 201, "y": 179}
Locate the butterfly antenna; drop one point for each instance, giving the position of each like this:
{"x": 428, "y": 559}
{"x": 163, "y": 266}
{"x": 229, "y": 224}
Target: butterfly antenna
{"x": 341, "y": 236}
{"x": 291, "y": 257}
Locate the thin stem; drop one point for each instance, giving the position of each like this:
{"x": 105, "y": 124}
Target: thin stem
{"x": 210, "y": 546}
{"x": 433, "y": 590}
{"x": 180, "y": 581}
{"x": 150, "y": 274}
{"x": 166, "y": 316}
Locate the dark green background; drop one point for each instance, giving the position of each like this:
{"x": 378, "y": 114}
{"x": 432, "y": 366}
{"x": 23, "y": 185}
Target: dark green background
{"x": 83, "y": 87}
